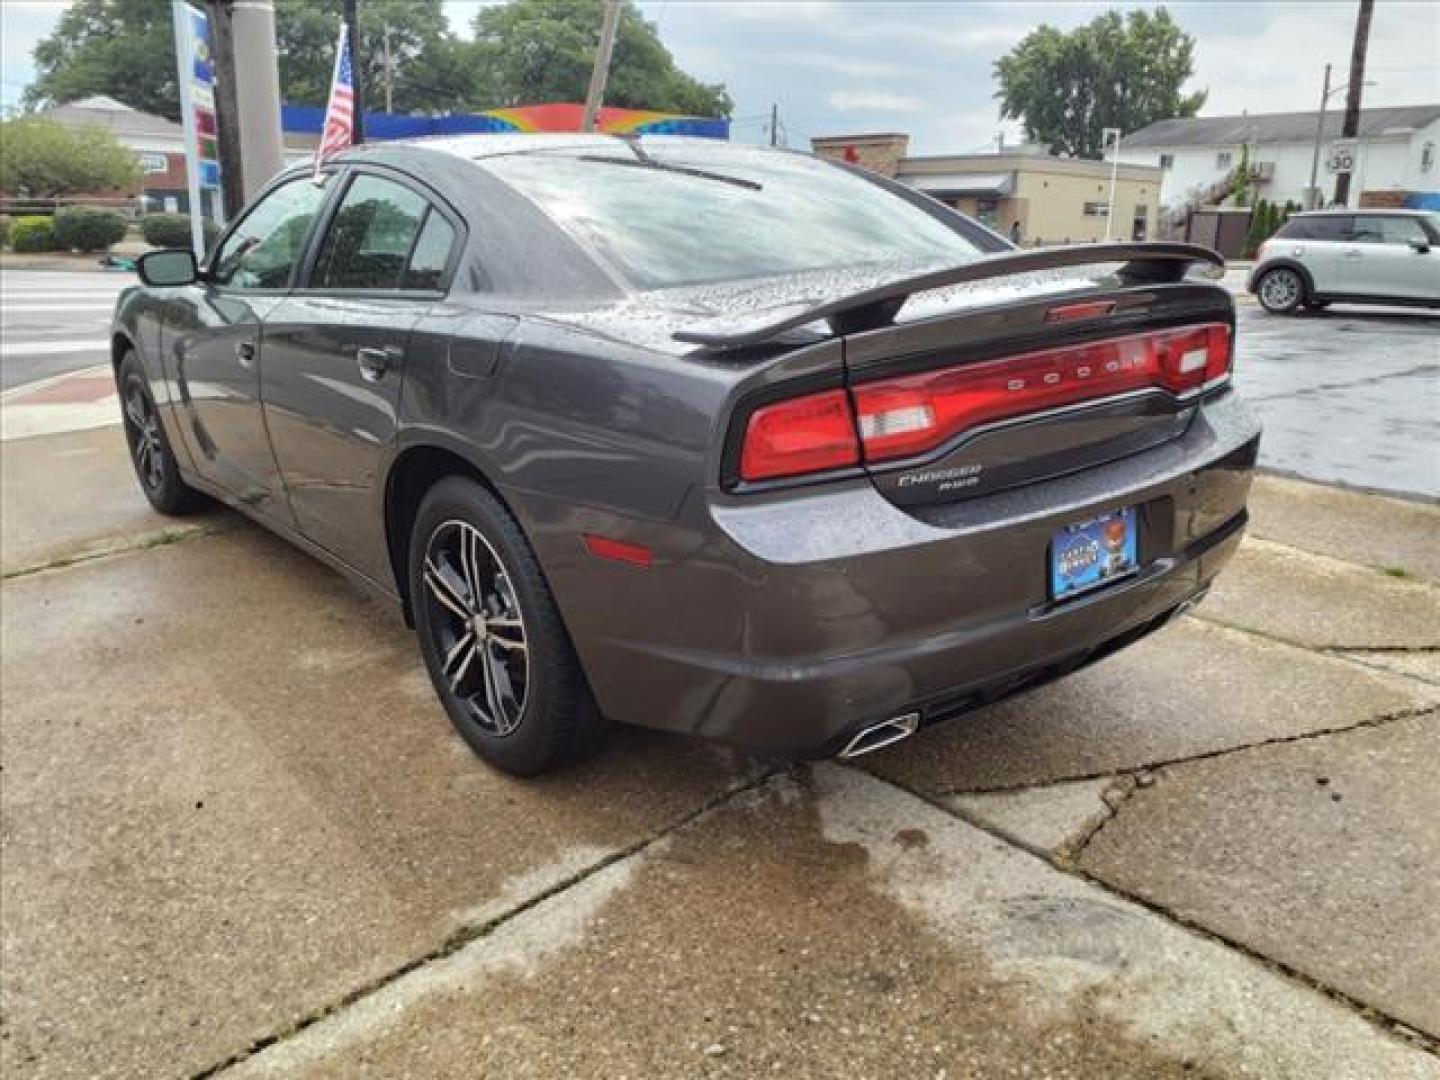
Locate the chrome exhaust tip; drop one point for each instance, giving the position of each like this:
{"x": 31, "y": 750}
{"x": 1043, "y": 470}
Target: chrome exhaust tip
{"x": 878, "y": 736}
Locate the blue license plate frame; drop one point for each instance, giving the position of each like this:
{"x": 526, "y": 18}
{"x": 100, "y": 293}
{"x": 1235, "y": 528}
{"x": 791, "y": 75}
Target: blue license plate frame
{"x": 1090, "y": 555}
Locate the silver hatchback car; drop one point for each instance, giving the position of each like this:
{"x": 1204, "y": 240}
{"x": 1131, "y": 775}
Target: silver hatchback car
{"x": 1352, "y": 257}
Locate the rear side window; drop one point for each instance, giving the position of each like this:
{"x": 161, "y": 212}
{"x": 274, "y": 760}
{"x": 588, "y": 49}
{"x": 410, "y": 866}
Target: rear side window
{"x": 694, "y": 216}
{"x": 1329, "y": 227}
{"x": 1388, "y": 230}
{"x": 432, "y": 253}
{"x": 379, "y": 226}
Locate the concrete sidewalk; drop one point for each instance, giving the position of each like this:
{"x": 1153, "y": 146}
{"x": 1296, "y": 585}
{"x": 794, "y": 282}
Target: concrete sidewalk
{"x": 240, "y": 838}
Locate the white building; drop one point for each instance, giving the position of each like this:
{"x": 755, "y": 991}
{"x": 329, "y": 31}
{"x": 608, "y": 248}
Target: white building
{"x": 1395, "y": 152}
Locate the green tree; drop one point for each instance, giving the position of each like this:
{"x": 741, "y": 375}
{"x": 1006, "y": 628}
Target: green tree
{"x": 42, "y": 158}
{"x": 1241, "y": 187}
{"x": 428, "y": 76}
{"x": 122, "y": 48}
{"x": 527, "y": 51}
{"x": 542, "y": 50}
{"x": 1117, "y": 71}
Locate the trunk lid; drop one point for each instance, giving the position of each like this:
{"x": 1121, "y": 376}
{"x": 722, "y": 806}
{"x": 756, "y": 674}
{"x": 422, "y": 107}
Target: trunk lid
{"x": 1084, "y": 420}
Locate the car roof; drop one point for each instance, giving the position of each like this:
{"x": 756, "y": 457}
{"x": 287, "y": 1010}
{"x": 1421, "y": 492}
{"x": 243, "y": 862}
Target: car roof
{"x": 1368, "y": 211}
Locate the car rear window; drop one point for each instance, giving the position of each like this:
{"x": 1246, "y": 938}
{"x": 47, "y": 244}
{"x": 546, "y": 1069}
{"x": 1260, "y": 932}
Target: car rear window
{"x": 1329, "y": 227}
{"x": 691, "y": 218}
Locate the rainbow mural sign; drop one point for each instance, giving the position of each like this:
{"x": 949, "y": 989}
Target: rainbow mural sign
{"x": 559, "y": 116}
{"x": 566, "y": 116}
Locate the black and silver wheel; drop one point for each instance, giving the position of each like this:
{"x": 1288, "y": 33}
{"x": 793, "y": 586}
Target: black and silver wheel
{"x": 493, "y": 640}
{"x": 1281, "y": 290}
{"x": 150, "y": 452}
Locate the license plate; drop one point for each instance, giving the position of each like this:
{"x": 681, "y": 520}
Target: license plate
{"x": 1093, "y": 553}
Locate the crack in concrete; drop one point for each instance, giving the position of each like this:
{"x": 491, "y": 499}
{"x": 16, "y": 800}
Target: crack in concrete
{"x": 1369, "y": 380}
{"x": 1390, "y": 1026}
{"x": 1156, "y": 766}
{"x": 466, "y": 935}
{"x": 163, "y": 538}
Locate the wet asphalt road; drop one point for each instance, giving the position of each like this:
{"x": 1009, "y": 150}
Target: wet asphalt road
{"x": 54, "y": 321}
{"x": 1350, "y": 395}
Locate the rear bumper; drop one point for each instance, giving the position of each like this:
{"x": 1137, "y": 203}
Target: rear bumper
{"x": 786, "y": 624}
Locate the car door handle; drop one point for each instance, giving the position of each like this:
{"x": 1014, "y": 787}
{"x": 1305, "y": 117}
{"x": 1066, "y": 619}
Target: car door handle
{"x": 1353, "y": 253}
{"x": 373, "y": 362}
{"x": 245, "y": 353}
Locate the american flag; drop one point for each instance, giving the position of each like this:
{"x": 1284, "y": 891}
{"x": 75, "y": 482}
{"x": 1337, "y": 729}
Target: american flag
{"x": 339, "y": 128}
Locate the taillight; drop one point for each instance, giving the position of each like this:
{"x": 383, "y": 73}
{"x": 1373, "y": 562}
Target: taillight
{"x": 802, "y": 435}
{"x": 912, "y": 414}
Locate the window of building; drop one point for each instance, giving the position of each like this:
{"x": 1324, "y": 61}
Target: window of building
{"x": 1097, "y": 209}
{"x": 1222, "y": 159}
{"x": 1167, "y": 161}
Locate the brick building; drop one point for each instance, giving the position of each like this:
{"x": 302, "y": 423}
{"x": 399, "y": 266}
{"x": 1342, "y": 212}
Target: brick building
{"x": 158, "y": 144}
{"x": 1054, "y": 200}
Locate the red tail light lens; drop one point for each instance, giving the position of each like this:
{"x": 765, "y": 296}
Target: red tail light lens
{"x": 911, "y": 414}
{"x": 803, "y": 435}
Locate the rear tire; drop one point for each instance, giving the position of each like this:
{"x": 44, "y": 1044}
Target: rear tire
{"x": 150, "y": 452}
{"x": 1281, "y": 290}
{"x": 493, "y": 640}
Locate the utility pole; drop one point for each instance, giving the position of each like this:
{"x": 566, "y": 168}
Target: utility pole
{"x": 1105, "y": 135}
{"x": 774, "y": 125}
{"x": 1351, "y": 126}
{"x": 389, "y": 76}
{"x": 1312, "y": 197}
{"x": 257, "y": 92}
{"x": 357, "y": 65}
{"x": 247, "y": 97}
{"x": 227, "y": 108}
{"x": 598, "y": 74}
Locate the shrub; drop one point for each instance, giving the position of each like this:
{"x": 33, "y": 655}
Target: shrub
{"x": 32, "y": 234}
{"x": 4, "y": 230}
{"x": 88, "y": 228}
{"x": 173, "y": 230}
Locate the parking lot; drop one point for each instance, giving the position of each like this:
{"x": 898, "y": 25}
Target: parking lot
{"x": 240, "y": 838}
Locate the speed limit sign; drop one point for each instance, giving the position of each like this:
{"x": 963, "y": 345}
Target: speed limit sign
{"x": 1341, "y": 158}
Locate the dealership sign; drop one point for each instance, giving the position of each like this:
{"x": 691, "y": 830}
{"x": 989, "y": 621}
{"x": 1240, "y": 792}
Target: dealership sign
{"x": 196, "y": 72}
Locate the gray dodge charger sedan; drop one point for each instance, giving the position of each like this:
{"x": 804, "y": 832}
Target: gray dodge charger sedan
{"x": 696, "y": 436}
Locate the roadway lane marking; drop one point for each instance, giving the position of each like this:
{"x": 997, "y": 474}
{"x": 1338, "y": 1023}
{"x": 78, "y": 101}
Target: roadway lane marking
{"x": 50, "y": 348}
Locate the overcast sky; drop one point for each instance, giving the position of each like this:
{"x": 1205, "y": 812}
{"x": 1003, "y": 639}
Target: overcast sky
{"x": 844, "y": 66}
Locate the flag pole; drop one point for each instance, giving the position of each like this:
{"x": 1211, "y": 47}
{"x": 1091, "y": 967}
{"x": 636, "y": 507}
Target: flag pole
{"x": 334, "y": 79}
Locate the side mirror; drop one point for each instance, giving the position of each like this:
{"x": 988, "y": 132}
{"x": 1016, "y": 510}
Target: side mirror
{"x": 167, "y": 269}
{"x": 1421, "y": 247}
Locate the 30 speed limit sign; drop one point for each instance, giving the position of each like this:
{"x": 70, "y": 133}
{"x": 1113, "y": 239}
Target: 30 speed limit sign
{"x": 1341, "y": 158}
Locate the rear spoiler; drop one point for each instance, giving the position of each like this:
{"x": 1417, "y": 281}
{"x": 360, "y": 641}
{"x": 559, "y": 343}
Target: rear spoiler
{"x": 1144, "y": 263}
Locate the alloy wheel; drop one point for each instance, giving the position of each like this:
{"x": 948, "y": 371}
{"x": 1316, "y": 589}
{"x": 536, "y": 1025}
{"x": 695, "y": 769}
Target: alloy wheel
{"x": 1280, "y": 290}
{"x": 475, "y": 625}
{"x": 142, "y": 427}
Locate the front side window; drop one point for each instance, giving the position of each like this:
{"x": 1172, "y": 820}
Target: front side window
{"x": 1388, "y": 230}
{"x": 1328, "y": 227}
{"x": 369, "y": 240}
{"x": 268, "y": 242}
{"x": 676, "y": 217}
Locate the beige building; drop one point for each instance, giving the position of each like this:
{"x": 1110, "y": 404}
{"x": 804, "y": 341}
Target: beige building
{"x": 1054, "y": 200}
